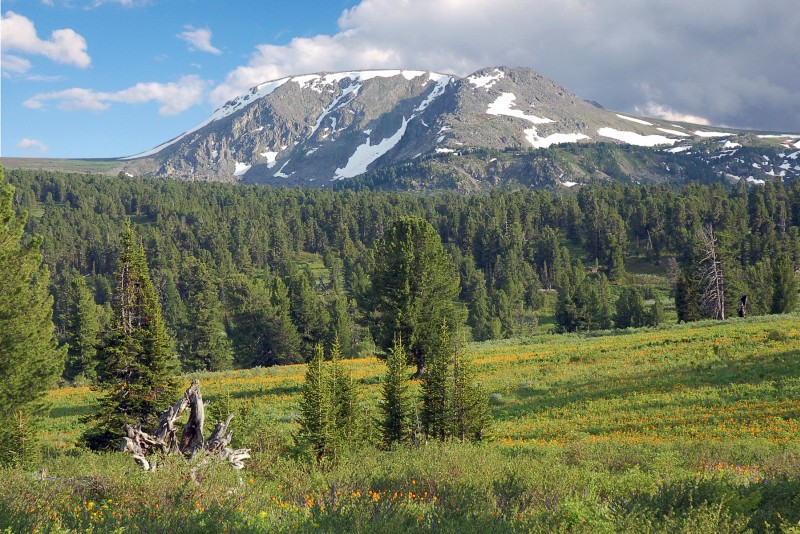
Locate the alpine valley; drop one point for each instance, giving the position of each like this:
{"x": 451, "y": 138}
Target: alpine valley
{"x": 407, "y": 129}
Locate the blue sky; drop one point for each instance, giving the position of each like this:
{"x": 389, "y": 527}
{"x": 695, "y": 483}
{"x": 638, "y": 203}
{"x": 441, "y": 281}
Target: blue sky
{"x": 105, "y": 78}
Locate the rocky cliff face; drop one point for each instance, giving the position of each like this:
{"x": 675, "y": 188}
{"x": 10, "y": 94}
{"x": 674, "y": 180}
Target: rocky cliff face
{"x": 316, "y": 129}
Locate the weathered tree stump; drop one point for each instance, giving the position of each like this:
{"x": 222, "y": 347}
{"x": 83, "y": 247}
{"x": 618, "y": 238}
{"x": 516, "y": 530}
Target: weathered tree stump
{"x": 140, "y": 444}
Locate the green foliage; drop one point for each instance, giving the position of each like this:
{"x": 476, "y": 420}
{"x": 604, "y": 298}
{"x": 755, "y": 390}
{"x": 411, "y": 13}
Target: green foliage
{"x": 84, "y": 320}
{"x": 415, "y": 289}
{"x": 329, "y": 410}
{"x": 784, "y": 294}
{"x": 30, "y": 362}
{"x": 315, "y": 407}
{"x": 396, "y": 406}
{"x": 630, "y": 309}
{"x": 204, "y": 346}
{"x": 136, "y": 362}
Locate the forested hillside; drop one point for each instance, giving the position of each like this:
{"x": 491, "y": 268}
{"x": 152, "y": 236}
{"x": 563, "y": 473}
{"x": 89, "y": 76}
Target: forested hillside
{"x": 276, "y": 271}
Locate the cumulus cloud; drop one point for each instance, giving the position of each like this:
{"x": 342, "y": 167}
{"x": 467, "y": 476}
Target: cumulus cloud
{"x": 64, "y": 45}
{"x": 199, "y": 39}
{"x": 730, "y": 61}
{"x": 33, "y": 144}
{"x": 173, "y": 98}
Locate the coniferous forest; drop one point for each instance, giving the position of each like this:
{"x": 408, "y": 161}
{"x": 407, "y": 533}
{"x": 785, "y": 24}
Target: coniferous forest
{"x": 231, "y": 263}
{"x": 132, "y": 286}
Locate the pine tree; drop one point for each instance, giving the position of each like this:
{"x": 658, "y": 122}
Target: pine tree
{"x": 655, "y": 315}
{"x": 315, "y": 407}
{"x": 415, "y": 288}
{"x": 136, "y": 361}
{"x": 30, "y": 362}
{"x": 469, "y": 410}
{"x": 630, "y": 309}
{"x": 784, "y": 283}
{"x": 342, "y": 399}
{"x": 82, "y": 321}
{"x": 203, "y": 343}
{"x": 396, "y": 404}
{"x": 434, "y": 415}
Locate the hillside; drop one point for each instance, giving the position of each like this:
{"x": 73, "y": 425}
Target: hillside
{"x": 691, "y": 427}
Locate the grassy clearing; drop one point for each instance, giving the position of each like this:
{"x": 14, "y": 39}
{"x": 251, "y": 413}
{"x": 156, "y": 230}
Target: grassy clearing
{"x": 685, "y": 428}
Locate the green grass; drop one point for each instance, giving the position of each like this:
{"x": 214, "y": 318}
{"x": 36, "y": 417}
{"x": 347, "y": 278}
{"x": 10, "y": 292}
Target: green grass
{"x": 687, "y": 428}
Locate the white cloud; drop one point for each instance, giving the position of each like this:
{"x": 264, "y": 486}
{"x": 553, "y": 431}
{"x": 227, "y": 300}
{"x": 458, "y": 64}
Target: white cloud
{"x": 173, "y": 98}
{"x": 662, "y": 112}
{"x": 64, "y": 46}
{"x": 33, "y": 144}
{"x": 199, "y": 39}
{"x": 729, "y": 61}
{"x": 14, "y": 65}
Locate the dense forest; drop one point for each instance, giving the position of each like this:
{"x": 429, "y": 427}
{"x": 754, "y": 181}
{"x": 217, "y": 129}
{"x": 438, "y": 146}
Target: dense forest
{"x": 252, "y": 276}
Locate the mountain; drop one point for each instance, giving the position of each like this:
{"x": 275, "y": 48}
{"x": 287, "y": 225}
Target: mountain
{"x": 316, "y": 129}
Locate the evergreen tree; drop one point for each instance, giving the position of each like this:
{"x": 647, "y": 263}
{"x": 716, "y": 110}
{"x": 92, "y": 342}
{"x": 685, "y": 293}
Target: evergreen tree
{"x": 688, "y": 300}
{"x": 342, "y": 325}
{"x": 784, "y": 283}
{"x": 342, "y": 399}
{"x": 630, "y": 309}
{"x": 203, "y": 346}
{"x": 283, "y": 333}
{"x": 469, "y": 410}
{"x": 415, "y": 289}
{"x": 655, "y": 315}
{"x": 136, "y": 362}
{"x": 30, "y": 362}
{"x": 315, "y": 407}
{"x": 82, "y": 321}
{"x": 396, "y": 404}
{"x": 435, "y": 413}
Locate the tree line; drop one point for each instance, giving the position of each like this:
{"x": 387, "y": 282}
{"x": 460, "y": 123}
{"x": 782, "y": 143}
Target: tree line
{"x": 237, "y": 268}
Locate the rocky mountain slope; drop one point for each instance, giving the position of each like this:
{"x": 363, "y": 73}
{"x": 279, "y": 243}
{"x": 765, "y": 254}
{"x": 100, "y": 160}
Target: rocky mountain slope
{"x": 316, "y": 129}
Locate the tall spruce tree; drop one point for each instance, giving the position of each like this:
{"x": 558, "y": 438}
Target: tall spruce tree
{"x": 136, "y": 362}
{"x": 315, "y": 409}
{"x": 82, "y": 322}
{"x": 396, "y": 404}
{"x": 203, "y": 343}
{"x": 784, "y": 283}
{"x": 469, "y": 410}
{"x": 435, "y": 388}
{"x": 415, "y": 288}
{"x": 30, "y": 361}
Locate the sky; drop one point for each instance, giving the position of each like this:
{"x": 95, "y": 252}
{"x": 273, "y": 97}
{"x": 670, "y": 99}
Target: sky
{"x": 111, "y": 78}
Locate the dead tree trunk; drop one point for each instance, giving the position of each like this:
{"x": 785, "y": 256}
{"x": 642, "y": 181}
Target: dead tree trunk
{"x": 711, "y": 275}
{"x": 141, "y": 444}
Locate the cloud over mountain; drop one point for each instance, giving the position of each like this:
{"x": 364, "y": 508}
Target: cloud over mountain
{"x": 728, "y": 61}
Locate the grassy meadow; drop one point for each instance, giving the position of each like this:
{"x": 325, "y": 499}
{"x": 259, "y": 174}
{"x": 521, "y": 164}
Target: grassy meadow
{"x": 685, "y": 428}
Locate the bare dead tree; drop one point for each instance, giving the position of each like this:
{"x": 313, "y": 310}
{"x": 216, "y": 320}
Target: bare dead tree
{"x": 712, "y": 280}
{"x": 165, "y": 441}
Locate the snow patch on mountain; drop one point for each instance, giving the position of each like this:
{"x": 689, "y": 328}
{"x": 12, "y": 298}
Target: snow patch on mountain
{"x": 241, "y": 168}
{"x": 673, "y": 132}
{"x": 633, "y": 138}
{"x": 442, "y": 80}
{"x": 553, "y": 139}
{"x": 678, "y": 149}
{"x": 280, "y": 173}
{"x": 638, "y": 121}
{"x": 502, "y": 106}
{"x": 702, "y": 133}
{"x": 270, "y": 157}
{"x": 366, "y": 153}
{"x": 486, "y": 81}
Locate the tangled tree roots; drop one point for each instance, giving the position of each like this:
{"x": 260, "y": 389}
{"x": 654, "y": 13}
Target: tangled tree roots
{"x": 141, "y": 444}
